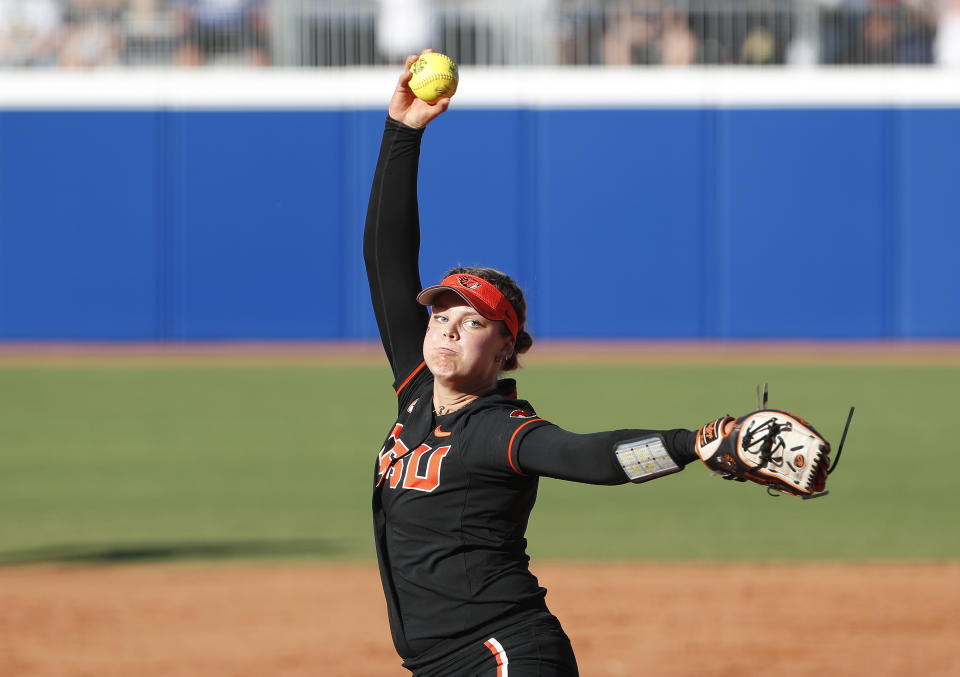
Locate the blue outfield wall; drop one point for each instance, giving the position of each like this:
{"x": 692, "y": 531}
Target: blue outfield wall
{"x": 688, "y": 222}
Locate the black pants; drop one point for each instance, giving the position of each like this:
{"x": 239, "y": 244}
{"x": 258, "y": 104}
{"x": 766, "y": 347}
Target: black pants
{"x": 535, "y": 648}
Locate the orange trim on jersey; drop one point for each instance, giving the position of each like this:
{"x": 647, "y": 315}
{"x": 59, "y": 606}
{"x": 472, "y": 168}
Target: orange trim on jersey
{"x": 510, "y": 445}
{"x": 410, "y": 377}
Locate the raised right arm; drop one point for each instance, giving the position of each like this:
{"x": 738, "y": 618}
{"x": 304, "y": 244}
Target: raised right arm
{"x": 391, "y": 239}
{"x": 391, "y": 246}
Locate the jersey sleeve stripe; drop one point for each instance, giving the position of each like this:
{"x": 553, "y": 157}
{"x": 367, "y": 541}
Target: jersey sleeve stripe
{"x": 512, "y": 440}
{"x": 410, "y": 377}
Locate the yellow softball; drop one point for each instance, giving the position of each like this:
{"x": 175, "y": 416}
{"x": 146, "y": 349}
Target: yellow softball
{"x": 434, "y": 76}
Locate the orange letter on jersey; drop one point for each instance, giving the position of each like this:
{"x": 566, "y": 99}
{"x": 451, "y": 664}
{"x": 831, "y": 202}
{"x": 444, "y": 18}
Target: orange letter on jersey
{"x": 431, "y": 479}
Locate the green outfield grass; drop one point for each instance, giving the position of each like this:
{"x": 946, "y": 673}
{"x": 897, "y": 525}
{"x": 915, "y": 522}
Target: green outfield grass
{"x": 100, "y": 463}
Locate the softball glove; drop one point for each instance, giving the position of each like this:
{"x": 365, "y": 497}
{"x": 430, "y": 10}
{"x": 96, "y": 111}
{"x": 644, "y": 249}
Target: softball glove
{"x": 773, "y": 448}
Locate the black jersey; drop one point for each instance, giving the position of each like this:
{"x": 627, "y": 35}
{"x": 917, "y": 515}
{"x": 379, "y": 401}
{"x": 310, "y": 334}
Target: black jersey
{"x": 452, "y": 494}
{"x": 450, "y": 512}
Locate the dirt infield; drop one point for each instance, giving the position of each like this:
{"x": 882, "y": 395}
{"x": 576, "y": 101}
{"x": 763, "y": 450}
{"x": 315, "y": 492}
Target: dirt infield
{"x": 298, "y": 620}
{"x": 624, "y": 619}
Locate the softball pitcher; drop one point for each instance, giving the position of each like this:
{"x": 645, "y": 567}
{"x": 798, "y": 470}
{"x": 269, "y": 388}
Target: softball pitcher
{"x": 456, "y": 478}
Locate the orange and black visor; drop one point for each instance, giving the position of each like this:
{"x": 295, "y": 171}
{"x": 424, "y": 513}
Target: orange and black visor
{"x": 483, "y": 296}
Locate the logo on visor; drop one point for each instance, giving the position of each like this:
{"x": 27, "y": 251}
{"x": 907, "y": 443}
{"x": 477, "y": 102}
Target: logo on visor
{"x": 468, "y": 282}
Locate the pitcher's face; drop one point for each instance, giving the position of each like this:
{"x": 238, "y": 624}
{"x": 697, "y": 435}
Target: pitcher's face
{"x": 461, "y": 347}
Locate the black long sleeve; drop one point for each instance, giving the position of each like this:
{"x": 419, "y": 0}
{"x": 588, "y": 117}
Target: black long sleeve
{"x": 391, "y": 246}
{"x": 551, "y": 451}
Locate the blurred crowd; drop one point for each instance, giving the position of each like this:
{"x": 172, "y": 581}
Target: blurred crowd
{"x": 95, "y": 33}
{"x": 332, "y": 33}
{"x": 835, "y": 32}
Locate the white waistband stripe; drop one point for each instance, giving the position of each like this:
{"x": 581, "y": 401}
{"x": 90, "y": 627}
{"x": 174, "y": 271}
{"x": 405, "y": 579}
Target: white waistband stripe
{"x": 498, "y": 652}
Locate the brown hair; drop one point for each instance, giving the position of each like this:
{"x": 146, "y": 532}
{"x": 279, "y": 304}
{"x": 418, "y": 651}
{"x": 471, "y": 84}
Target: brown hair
{"x": 509, "y": 288}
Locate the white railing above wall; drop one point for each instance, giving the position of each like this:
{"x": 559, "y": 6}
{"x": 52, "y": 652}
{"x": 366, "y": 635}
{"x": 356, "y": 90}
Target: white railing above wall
{"x": 481, "y": 87}
{"x": 513, "y": 33}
